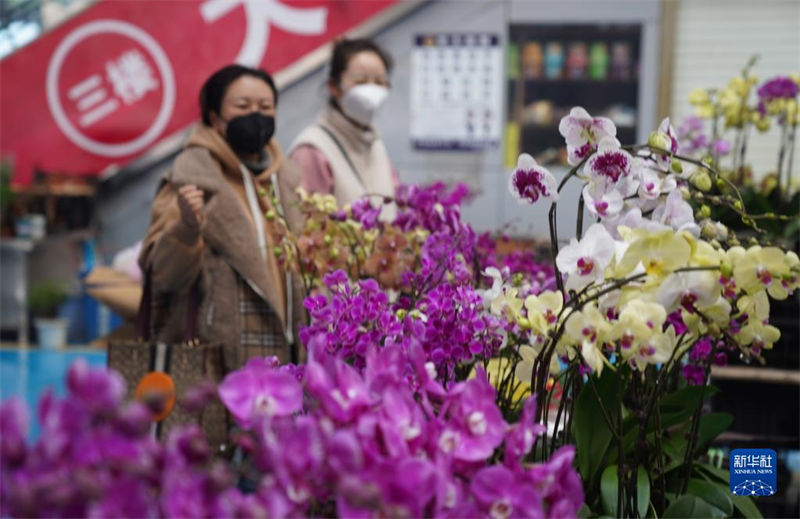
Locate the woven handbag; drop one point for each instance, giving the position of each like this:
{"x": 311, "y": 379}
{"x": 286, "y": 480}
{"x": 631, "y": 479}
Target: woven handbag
{"x": 167, "y": 371}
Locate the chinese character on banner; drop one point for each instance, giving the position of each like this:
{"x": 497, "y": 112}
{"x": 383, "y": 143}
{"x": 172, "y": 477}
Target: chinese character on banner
{"x": 131, "y": 76}
{"x": 738, "y": 461}
{"x": 126, "y": 100}
{"x": 105, "y": 86}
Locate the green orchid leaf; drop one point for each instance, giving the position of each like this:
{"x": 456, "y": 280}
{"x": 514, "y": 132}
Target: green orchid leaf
{"x": 609, "y": 485}
{"x": 745, "y": 507}
{"x": 688, "y": 507}
{"x": 716, "y": 495}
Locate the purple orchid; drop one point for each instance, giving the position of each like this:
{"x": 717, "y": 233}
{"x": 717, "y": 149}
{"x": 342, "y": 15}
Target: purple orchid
{"x": 558, "y": 483}
{"x": 258, "y": 390}
{"x": 364, "y": 213}
{"x": 13, "y": 430}
{"x": 101, "y": 390}
{"x": 694, "y": 375}
{"x": 691, "y": 135}
{"x": 337, "y": 386}
{"x": 522, "y": 435}
{"x": 778, "y": 88}
{"x": 475, "y": 426}
{"x": 500, "y": 494}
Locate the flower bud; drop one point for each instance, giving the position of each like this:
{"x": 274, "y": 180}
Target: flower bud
{"x": 277, "y": 251}
{"x": 333, "y": 253}
{"x": 327, "y": 239}
{"x": 701, "y": 180}
{"x": 705, "y": 211}
{"x": 270, "y": 215}
{"x": 659, "y": 140}
{"x": 401, "y": 313}
{"x": 722, "y": 231}
{"x": 677, "y": 166}
{"x": 262, "y": 192}
{"x": 708, "y": 230}
{"x": 737, "y": 204}
{"x": 685, "y": 193}
{"x": 524, "y": 323}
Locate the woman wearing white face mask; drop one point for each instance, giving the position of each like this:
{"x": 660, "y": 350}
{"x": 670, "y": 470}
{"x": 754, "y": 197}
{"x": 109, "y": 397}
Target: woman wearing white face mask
{"x": 342, "y": 153}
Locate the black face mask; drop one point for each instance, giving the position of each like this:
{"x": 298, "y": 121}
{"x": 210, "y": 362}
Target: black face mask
{"x": 248, "y": 134}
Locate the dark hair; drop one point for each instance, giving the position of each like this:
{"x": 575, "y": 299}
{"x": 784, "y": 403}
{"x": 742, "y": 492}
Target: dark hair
{"x": 343, "y": 50}
{"x": 214, "y": 88}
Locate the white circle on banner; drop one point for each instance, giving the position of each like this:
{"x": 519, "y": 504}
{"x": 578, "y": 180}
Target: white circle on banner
{"x": 164, "y": 68}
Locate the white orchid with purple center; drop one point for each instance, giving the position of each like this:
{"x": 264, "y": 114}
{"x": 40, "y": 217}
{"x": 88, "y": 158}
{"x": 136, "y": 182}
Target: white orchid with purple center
{"x": 602, "y": 200}
{"x": 531, "y": 181}
{"x": 584, "y": 261}
{"x": 611, "y": 164}
{"x": 653, "y": 184}
{"x": 583, "y": 133}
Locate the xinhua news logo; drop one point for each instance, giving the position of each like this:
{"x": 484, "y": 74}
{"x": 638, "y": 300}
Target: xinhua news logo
{"x": 754, "y": 472}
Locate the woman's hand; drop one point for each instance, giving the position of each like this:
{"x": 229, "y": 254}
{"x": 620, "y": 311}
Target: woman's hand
{"x": 191, "y": 204}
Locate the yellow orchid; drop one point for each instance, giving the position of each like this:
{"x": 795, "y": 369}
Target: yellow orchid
{"x": 756, "y": 306}
{"x": 637, "y": 323}
{"x": 498, "y": 369}
{"x": 656, "y": 350}
{"x": 762, "y": 268}
{"x": 703, "y": 254}
{"x": 758, "y": 335}
{"x": 699, "y": 96}
{"x": 658, "y": 252}
{"x": 528, "y": 355}
{"x": 543, "y": 310}
{"x": 507, "y": 303}
{"x": 590, "y": 329}
{"x": 719, "y": 312}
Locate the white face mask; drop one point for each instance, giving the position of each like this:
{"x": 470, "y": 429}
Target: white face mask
{"x": 362, "y": 101}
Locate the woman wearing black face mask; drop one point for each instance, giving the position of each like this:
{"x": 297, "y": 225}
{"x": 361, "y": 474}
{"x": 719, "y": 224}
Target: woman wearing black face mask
{"x": 209, "y": 245}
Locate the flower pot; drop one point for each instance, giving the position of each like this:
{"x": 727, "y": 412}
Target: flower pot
{"x": 51, "y": 333}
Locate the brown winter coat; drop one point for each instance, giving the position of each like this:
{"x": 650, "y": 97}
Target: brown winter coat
{"x": 224, "y": 256}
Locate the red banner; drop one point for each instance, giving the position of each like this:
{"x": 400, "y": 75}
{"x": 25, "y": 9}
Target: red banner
{"x": 104, "y": 87}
